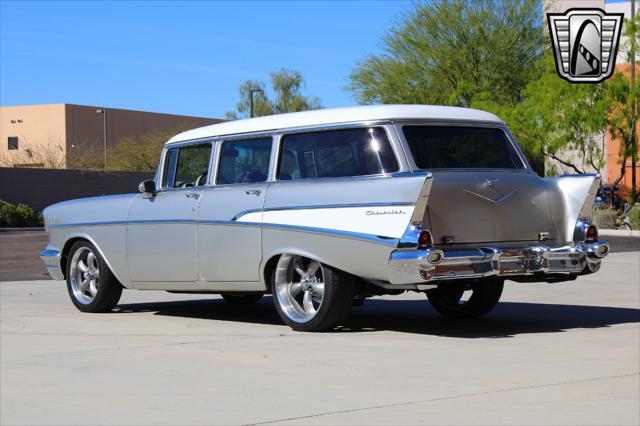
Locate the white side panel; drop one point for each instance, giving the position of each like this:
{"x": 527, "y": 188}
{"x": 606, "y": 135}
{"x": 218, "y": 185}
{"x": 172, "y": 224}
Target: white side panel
{"x": 388, "y": 221}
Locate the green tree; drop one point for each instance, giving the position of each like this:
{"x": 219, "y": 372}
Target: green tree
{"x": 555, "y": 115}
{"x": 453, "y": 52}
{"x": 287, "y": 85}
{"x": 261, "y": 104}
{"x": 139, "y": 153}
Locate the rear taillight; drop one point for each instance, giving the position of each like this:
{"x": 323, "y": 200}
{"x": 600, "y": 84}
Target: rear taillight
{"x": 592, "y": 233}
{"x": 425, "y": 239}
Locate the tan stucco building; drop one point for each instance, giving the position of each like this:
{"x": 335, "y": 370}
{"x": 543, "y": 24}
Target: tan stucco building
{"x": 64, "y": 135}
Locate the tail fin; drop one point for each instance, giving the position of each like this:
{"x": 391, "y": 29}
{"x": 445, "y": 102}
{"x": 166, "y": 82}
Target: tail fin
{"x": 578, "y": 193}
{"x": 410, "y": 236}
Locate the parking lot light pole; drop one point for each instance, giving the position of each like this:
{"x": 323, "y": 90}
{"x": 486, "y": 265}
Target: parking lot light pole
{"x": 104, "y": 133}
{"x": 251, "y": 92}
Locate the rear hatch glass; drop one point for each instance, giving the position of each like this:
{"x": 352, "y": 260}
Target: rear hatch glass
{"x": 458, "y": 147}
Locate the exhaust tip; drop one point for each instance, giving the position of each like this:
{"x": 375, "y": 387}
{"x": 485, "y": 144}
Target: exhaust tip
{"x": 435, "y": 257}
{"x": 602, "y": 250}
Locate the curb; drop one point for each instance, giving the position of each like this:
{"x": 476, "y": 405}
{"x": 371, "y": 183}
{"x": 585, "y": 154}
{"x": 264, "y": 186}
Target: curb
{"x": 619, "y": 233}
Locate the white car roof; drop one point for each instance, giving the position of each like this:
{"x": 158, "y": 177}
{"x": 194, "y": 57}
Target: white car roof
{"x": 336, "y": 116}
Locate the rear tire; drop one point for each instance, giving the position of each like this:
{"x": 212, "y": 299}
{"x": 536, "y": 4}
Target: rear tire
{"x": 310, "y": 296}
{"x": 447, "y": 298}
{"x": 242, "y": 299}
{"x": 91, "y": 284}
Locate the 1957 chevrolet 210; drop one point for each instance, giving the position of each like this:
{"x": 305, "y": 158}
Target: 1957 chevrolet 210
{"x": 326, "y": 208}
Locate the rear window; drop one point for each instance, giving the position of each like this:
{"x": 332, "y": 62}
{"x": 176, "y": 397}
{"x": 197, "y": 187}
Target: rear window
{"x": 336, "y": 153}
{"x": 451, "y": 147}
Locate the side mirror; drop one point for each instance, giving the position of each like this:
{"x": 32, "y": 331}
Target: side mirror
{"x": 148, "y": 188}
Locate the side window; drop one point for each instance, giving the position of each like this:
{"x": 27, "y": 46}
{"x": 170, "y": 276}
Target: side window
{"x": 336, "y": 153}
{"x": 290, "y": 163}
{"x": 187, "y": 166}
{"x": 245, "y": 161}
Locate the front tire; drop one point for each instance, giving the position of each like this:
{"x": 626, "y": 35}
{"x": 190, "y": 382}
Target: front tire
{"x": 448, "y": 298}
{"x": 310, "y": 296}
{"x": 91, "y": 284}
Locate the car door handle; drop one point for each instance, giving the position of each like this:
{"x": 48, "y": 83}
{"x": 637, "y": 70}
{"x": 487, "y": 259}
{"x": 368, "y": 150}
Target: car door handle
{"x": 192, "y": 195}
{"x": 256, "y": 192}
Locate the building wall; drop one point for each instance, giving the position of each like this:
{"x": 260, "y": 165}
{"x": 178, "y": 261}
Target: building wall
{"x": 614, "y": 161}
{"x": 41, "y": 135}
{"x": 85, "y": 128}
{"x": 72, "y": 136}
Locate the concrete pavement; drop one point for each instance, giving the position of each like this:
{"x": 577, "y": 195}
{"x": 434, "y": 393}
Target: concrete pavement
{"x": 548, "y": 354}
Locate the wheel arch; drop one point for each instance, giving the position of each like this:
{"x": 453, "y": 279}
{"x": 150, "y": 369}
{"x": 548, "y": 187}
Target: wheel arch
{"x": 270, "y": 264}
{"x": 70, "y": 240}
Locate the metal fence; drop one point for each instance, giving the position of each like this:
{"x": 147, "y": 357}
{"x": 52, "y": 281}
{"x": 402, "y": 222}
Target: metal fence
{"x": 39, "y": 188}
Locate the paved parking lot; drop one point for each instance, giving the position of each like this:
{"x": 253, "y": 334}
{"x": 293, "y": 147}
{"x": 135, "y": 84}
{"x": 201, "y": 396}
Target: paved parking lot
{"x": 553, "y": 354}
{"x": 19, "y": 255}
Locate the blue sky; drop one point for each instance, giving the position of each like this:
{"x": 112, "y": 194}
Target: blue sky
{"x": 181, "y": 57}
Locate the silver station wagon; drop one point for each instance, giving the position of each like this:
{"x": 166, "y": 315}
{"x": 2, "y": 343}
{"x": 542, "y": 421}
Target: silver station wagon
{"x": 324, "y": 209}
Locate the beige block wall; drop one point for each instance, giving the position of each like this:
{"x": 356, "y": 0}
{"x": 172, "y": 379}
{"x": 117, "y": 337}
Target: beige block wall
{"x": 41, "y": 132}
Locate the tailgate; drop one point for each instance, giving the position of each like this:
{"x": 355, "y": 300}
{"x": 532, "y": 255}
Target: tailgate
{"x": 488, "y": 206}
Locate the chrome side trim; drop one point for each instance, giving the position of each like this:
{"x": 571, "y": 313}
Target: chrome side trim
{"x": 123, "y": 222}
{"x": 228, "y": 223}
{"x": 392, "y": 242}
{"x": 414, "y": 267}
{"x": 51, "y": 259}
{"x": 321, "y": 206}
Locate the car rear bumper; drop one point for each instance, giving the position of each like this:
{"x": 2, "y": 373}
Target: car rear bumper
{"x": 433, "y": 265}
{"x": 51, "y": 259}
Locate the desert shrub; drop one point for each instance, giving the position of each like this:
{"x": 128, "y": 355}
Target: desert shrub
{"x": 634, "y": 217}
{"x": 12, "y": 216}
{"x": 604, "y": 218}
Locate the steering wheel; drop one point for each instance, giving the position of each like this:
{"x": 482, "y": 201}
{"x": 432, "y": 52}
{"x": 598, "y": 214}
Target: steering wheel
{"x": 200, "y": 180}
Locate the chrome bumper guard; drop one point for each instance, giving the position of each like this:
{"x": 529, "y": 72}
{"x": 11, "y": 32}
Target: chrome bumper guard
{"x": 51, "y": 259}
{"x": 432, "y": 265}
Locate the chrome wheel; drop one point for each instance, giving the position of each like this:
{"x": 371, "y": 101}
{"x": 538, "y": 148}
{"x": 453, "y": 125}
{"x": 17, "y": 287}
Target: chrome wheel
{"x": 84, "y": 275}
{"x": 299, "y": 285}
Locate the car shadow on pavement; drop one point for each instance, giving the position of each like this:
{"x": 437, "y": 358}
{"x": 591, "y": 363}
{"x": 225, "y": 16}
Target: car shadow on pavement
{"x": 414, "y": 316}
